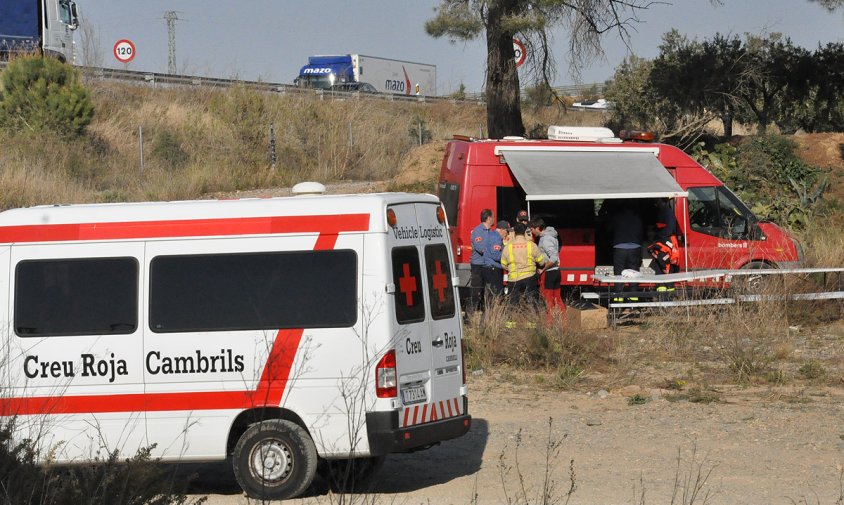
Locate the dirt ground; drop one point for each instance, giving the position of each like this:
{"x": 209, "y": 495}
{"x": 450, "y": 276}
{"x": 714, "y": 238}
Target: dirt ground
{"x": 750, "y": 449}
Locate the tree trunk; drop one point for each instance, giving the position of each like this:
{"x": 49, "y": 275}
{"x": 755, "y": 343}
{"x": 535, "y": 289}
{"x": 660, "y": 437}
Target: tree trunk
{"x": 727, "y": 119}
{"x": 503, "y": 106}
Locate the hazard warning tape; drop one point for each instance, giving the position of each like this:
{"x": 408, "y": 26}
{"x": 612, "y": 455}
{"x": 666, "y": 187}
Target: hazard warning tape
{"x": 429, "y": 412}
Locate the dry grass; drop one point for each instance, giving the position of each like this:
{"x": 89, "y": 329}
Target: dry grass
{"x": 823, "y": 244}
{"x": 774, "y": 342}
{"x": 525, "y": 338}
{"x": 203, "y": 140}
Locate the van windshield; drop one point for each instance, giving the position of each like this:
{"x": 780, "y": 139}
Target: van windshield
{"x": 322, "y": 81}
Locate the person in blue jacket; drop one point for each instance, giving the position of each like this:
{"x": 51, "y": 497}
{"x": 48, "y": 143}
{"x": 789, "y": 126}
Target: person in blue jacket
{"x": 480, "y": 237}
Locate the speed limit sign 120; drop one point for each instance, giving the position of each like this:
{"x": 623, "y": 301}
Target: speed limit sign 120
{"x": 124, "y": 50}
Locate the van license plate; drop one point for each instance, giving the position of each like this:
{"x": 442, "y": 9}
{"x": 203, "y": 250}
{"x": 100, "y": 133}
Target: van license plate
{"x": 410, "y": 396}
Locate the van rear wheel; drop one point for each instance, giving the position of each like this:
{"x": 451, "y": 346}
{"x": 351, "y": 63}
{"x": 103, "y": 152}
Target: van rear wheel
{"x": 274, "y": 460}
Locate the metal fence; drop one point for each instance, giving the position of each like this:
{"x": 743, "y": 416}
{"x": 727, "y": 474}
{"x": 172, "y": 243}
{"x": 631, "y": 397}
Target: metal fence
{"x": 155, "y": 79}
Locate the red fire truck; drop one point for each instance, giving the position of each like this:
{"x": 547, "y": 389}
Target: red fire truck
{"x": 567, "y": 179}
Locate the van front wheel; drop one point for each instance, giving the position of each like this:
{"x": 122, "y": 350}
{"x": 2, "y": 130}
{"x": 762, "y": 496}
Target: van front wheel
{"x": 274, "y": 460}
{"x": 756, "y": 284}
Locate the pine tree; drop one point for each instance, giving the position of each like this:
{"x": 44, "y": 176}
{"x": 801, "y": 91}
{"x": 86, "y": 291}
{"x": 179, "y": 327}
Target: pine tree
{"x": 43, "y": 94}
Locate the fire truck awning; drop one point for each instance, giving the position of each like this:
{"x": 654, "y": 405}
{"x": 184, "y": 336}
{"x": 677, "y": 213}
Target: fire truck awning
{"x": 573, "y": 175}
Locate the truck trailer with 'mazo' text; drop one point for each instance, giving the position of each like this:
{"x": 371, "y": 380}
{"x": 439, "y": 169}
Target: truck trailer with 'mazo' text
{"x": 383, "y": 74}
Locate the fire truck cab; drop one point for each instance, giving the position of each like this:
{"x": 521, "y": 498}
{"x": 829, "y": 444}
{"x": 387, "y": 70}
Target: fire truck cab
{"x": 567, "y": 181}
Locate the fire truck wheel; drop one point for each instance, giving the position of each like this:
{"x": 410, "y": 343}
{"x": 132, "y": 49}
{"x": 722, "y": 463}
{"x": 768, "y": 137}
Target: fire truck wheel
{"x": 274, "y": 460}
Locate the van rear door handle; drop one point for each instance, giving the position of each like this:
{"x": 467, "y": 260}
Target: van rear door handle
{"x": 438, "y": 342}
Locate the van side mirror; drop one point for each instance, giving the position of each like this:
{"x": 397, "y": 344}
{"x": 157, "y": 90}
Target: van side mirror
{"x": 756, "y": 232}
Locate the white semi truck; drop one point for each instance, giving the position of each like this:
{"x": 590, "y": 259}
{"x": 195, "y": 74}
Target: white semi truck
{"x": 384, "y": 74}
{"x": 38, "y": 26}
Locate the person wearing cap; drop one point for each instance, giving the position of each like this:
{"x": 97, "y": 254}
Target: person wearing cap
{"x": 493, "y": 270}
{"x": 480, "y": 236}
{"x": 520, "y": 258}
{"x": 522, "y": 217}
{"x": 549, "y": 280}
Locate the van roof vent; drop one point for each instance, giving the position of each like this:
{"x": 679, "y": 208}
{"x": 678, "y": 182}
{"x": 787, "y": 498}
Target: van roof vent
{"x": 582, "y": 134}
{"x": 308, "y": 188}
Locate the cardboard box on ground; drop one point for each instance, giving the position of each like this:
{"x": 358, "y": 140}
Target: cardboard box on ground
{"x": 592, "y": 319}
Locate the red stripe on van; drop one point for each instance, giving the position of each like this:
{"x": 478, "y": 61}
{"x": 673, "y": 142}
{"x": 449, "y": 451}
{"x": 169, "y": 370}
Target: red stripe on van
{"x": 456, "y": 406}
{"x": 277, "y": 369}
{"x": 448, "y": 402}
{"x": 328, "y": 226}
{"x": 268, "y": 393}
{"x": 406, "y": 415}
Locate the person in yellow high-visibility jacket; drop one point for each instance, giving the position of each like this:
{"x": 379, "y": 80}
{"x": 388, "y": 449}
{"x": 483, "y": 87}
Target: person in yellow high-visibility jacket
{"x": 522, "y": 259}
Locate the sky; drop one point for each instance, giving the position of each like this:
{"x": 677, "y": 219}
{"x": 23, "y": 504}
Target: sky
{"x": 270, "y": 40}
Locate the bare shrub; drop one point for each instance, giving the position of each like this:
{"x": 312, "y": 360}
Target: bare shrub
{"x": 520, "y": 489}
{"x": 526, "y": 337}
{"x": 137, "y": 480}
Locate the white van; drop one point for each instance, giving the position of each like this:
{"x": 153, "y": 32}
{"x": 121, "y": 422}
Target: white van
{"x": 272, "y": 331}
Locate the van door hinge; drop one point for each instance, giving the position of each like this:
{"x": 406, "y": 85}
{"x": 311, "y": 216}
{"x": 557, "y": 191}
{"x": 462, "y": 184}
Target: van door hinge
{"x": 391, "y": 288}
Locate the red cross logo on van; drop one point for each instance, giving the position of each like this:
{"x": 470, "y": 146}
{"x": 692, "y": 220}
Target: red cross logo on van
{"x": 440, "y": 281}
{"x": 407, "y": 284}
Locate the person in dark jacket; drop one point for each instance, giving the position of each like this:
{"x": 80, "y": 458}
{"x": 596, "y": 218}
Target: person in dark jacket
{"x": 627, "y": 236}
{"x": 665, "y": 249}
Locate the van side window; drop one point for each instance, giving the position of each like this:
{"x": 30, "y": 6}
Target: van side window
{"x": 64, "y": 12}
{"x": 407, "y": 277}
{"x": 733, "y": 214}
{"x": 253, "y": 291}
{"x": 703, "y": 210}
{"x": 440, "y": 289}
{"x": 91, "y": 296}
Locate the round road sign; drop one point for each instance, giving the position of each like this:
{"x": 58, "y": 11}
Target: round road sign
{"x": 124, "y": 50}
{"x": 521, "y": 54}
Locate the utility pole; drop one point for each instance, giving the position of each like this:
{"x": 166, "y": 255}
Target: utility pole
{"x": 171, "y": 17}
